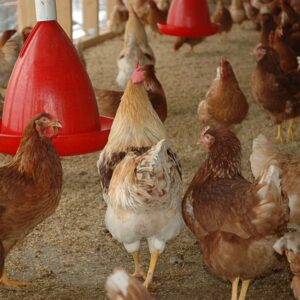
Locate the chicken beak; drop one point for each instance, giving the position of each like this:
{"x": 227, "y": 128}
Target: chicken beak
{"x": 56, "y": 123}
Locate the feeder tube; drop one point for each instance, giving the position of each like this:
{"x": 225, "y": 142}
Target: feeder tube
{"x": 45, "y": 10}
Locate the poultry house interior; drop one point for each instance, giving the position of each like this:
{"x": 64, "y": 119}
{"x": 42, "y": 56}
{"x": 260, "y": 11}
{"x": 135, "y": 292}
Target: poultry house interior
{"x": 71, "y": 254}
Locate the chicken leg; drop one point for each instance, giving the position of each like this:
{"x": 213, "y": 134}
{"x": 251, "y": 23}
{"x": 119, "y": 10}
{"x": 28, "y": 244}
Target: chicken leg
{"x": 290, "y": 133}
{"x": 153, "y": 262}
{"x": 279, "y": 136}
{"x": 5, "y": 281}
{"x": 234, "y": 288}
{"x": 245, "y": 285}
{"x": 138, "y": 270}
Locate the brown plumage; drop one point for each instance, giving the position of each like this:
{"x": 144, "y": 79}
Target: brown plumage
{"x": 121, "y": 286}
{"x": 235, "y": 221}
{"x": 222, "y": 16}
{"x": 155, "y": 15}
{"x": 252, "y": 14}
{"x": 109, "y": 100}
{"x": 287, "y": 56}
{"x": 237, "y": 11}
{"x": 274, "y": 90}
{"x": 224, "y": 103}
{"x": 6, "y": 36}
{"x": 267, "y": 24}
{"x": 289, "y": 245}
{"x": 118, "y": 17}
{"x": 192, "y": 42}
{"x": 30, "y": 186}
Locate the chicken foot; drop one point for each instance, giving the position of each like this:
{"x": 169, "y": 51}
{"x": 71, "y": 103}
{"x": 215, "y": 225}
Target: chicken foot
{"x": 245, "y": 285}
{"x": 153, "y": 262}
{"x": 138, "y": 270}
{"x": 279, "y": 136}
{"x": 234, "y": 288}
{"x": 290, "y": 134}
{"x": 5, "y": 281}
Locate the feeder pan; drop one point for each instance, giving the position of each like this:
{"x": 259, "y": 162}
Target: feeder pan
{"x": 49, "y": 76}
{"x": 188, "y": 18}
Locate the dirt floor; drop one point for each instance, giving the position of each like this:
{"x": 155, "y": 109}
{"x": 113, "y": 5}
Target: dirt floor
{"x": 70, "y": 255}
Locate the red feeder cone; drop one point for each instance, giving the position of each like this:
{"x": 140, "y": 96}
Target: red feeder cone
{"x": 48, "y": 76}
{"x": 189, "y": 18}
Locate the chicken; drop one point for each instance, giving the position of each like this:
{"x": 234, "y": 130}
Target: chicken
{"x": 9, "y": 53}
{"x": 263, "y": 154}
{"x": 140, "y": 7}
{"x": 252, "y": 14}
{"x": 109, "y": 100}
{"x": 6, "y": 36}
{"x": 293, "y": 18}
{"x": 118, "y": 17}
{"x": 120, "y": 286}
{"x": 224, "y": 103}
{"x": 30, "y": 187}
{"x": 155, "y": 16}
{"x": 267, "y": 24}
{"x": 287, "y": 57}
{"x": 237, "y": 11}
{"x": 191, "y": 41}
{"x": 290, "y": 245}
{"x": 135, "y": 48}
{"x": 235, "y": 221}
{"x": 274, "y": 91}
{"x": 140, "y": 178}
{"x": 222, "y": 16}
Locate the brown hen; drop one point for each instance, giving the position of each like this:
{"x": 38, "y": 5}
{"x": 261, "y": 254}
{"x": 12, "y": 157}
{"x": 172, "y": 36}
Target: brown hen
{"x": 222, "y": 16}
{"x": 155, "y": 15}
{"x": 30, "y": 187}
{"x": 224, "y": 103}
{"x": 6, "y": 36}
{"x": 274, "y": 90}
{"x": 191, "y": 41}
{"x": 109, "y": 100}
{"x": 235, "y": 221}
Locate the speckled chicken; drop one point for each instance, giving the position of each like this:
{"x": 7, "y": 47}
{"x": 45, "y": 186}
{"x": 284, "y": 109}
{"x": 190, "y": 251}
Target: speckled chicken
{"x": 235, "y": 221}
{"x": 30, "y": 187}
{"x": 121, "y": 286}
{"x": 109, "y": 101}
{"x": 224, "y": 103}
{"x": 136, "y": 48}
{"x": 276, "y": 92}
{"x": 140, "y": 178}
{"x": 263, "y": 154}
{"x": 289, "y": 245}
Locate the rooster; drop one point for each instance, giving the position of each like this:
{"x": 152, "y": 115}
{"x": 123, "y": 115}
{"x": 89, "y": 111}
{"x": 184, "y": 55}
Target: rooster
{"x": 235, "y": 221}
{"x": 120, "y": 286}
{"x": 140, "y": 178}
{"x": 30, "y": 187}
{"x": 135, "y": 48}
{"x": 224, "y": 103}
{"x": 109, "y": 100}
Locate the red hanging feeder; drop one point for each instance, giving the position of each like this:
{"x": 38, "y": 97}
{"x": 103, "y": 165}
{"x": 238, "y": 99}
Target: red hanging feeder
{"x": 189, "y": 18}
{"x": 48, "y": 76}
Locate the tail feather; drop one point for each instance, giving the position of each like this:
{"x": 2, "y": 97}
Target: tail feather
{"x": 263, "y": 151}
{"x": 271, "y": 212}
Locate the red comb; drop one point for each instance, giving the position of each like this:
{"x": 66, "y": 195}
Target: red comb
{"x": 138, "y": 74}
